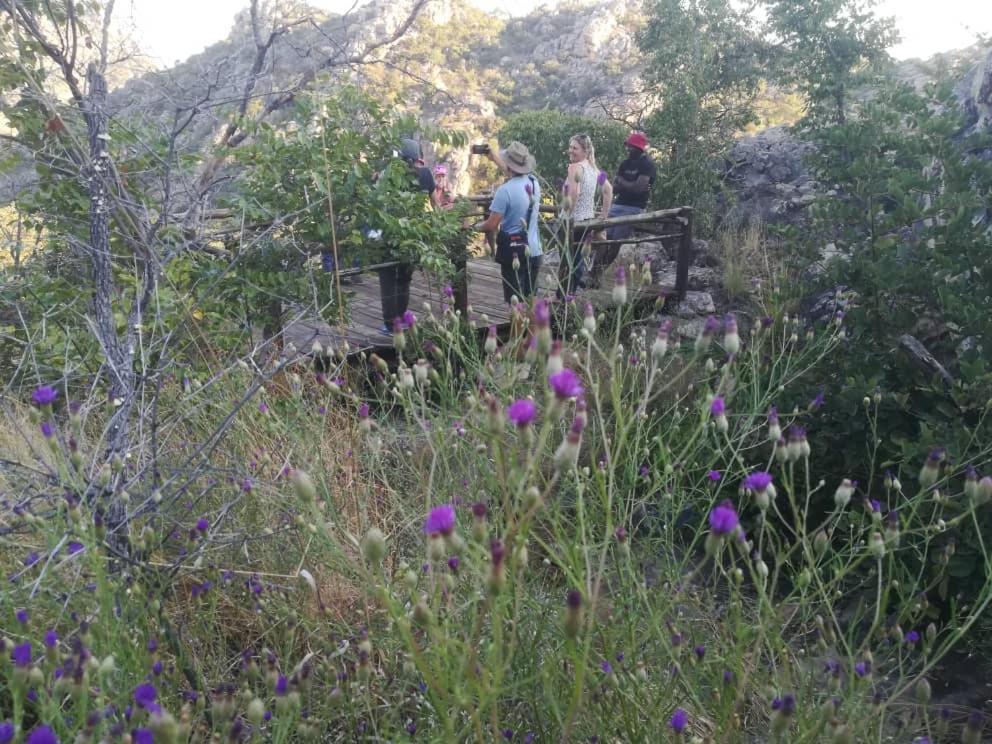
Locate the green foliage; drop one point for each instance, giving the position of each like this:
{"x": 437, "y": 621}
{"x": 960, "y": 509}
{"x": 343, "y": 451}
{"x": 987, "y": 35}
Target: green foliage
{"x": 336, "y": 156}
{"x": 909, "y": 219}
{"x": 588, "y": 571}
{"x": 546, "y": 134}
{"x": 704, "y": 68}
{"x": 828, "y": 47}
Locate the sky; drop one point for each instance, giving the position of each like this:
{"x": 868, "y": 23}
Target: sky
{"x": 174, "y": 30}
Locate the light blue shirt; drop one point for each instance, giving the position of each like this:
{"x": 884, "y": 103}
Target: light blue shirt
{"x": 513, "y": 202}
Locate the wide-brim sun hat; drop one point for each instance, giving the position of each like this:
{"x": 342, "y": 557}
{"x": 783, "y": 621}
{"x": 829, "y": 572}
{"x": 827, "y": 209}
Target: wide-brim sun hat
{"x": 517, "y": 158}
{"x": 638, "y": 140}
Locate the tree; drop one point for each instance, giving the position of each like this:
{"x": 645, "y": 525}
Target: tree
{"x": 827, "y": 48}
{"x": 127, "y": 229}
{"x": 705, "y": 63}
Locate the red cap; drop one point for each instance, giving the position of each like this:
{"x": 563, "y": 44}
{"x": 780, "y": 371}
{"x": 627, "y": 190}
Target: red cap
{"x": 638, "y": 140}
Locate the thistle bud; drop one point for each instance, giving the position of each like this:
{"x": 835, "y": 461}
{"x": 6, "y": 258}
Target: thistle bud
{"x": 573, "y": 614}
{"x": 104, "y": 475}
{"x": 374, "y": 546}
{"x": 480, "y": 527}
{"x": 923, "y": 691}
{"x": 305, "y": 489}
{"x": 820, "y": 543}
{"x": 984, "y": 492}
{"x": 406, "y": 381}
{"x": 422, "y": 615}
{"x": 660, "y": 346}
{"x": 781, "y": 451}
{"x": 567, "y": 454}
{"x": 930, "y": 471}
{"x": 972, "y": 733}
{"x": 646, "y": 276}
{"x": 620, "y": 287}
{"x": 421, "y": 371}
{"x": 774, "y": 428}
{"x": 705, "y": 337}
{"x": 589, "y": 318}
{"x": 255, "y": 712}
{"x": 731, "y": 339}
{"x": 491, "y": 341}
{"x": 497, "y": 567}
{"x": 399, "y": 336}
{"x": 842, "y": 496}
{"x": 555, "y": 363}
{"x": 876, "y": 544}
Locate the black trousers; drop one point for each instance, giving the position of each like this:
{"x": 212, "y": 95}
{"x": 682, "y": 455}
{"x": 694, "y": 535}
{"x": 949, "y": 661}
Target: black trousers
{"x": 394, "y": 291}
{"x": 523, "y": 281}
{"x": 572, "y": 264}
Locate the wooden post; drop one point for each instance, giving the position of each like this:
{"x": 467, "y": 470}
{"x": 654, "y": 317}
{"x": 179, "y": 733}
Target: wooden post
{"x": 684, "y": 255}
{"x": 461, "y": 280}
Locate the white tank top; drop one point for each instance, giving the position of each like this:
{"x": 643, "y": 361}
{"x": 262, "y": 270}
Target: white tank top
{"x": 585, "y": 205}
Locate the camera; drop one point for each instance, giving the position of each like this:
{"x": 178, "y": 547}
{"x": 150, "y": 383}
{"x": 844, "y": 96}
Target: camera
{"x": 481, "y": 149}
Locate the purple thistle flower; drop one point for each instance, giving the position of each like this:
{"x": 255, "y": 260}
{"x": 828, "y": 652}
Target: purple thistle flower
{"x": 22, "y": 616}
{"x": 142, "y": 736}
{"x": 714, "y": 476}
{"x": 46, "y": 430}
{"x": 566, "y": 384}
{"x": 21, "y": 655}
{"x": 711, "y": 326}
{"x": 679, "y": 720}
{"x": 912, "y": 637}
{"x": 758, "y": 481}
{"x": 723, "y": 519}
{"x": 542, "y": 314}
{"x": 601, "y": 178}
{"x": 263, "y": 407}
{"x": 718, "y": 407}
{"x": 728, "y": 677}
{"x": 44, "y": 395}
{"x": 606, "y": 667}
{"x": 453, "y": 563}
{"x": 202, "y": 524}
{"x": 440, "y": 521}
{"x": 861, "y": 668}
{"x": 282, "y": 686}
{"x": 145, "y": 696}
{"x": 152, "y": 645}
{"x": 521, "y": 412}
{"x": 409, "y": 319}
{"x": 817, "y": 402}
{"x": 42, "y": 735}
{"x": 448, "y": 291}
{"x": 6, "y": 732}
{"x": 31, "y": 558}
{"x": 157, "y": 668}
{"x": 875, "y": 506}
{"x": 51, "y": 639}
{"x": 700, "y": 651}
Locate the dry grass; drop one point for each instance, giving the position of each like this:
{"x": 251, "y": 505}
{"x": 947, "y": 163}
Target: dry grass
{"x": 744, "y": 259}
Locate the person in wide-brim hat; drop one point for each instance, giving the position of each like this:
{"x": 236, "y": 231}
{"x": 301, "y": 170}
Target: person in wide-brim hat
{"x": 517, "y": 158}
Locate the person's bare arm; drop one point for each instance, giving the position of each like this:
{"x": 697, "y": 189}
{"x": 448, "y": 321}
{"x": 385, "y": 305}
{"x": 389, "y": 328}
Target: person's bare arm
{"x": 573, "y": 184}
{"x": 607, "y": 198}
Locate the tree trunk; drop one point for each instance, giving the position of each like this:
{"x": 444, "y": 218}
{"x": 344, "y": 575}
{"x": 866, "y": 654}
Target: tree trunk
{"x": 118, "y": 366}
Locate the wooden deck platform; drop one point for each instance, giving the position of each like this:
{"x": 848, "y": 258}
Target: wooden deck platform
{"x": 485, "y": 298}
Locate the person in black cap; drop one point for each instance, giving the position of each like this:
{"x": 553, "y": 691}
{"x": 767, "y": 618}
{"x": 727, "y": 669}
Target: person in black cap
{"x": 394, "y": 281}
{"x": 631, "y": 191}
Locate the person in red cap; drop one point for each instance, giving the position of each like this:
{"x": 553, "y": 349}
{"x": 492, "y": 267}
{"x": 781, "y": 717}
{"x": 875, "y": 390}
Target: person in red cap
{"x": 631, "y": 191}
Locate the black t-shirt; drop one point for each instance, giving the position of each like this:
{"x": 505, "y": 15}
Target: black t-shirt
{"x": 425, "y": 179}
{"x": 630, "y": 170}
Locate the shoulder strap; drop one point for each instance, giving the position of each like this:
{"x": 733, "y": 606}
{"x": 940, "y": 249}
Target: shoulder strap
{"x": 533, "y": 192}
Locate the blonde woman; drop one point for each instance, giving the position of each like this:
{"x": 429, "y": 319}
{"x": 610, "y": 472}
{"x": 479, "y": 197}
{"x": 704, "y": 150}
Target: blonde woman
{"x": 583, "y": 180}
